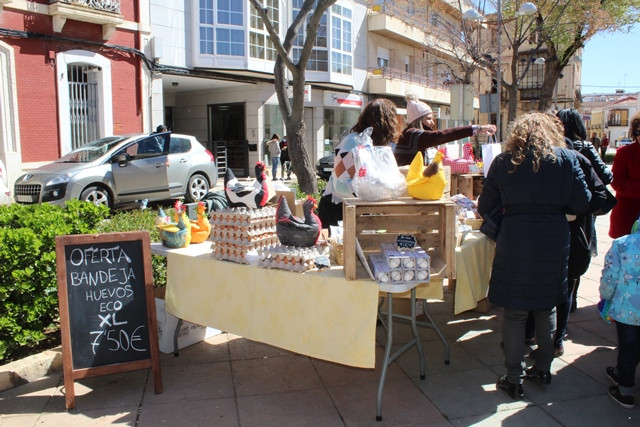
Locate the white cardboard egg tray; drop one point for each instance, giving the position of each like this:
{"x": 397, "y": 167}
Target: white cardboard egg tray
{"x": 291, "y": 258}
{"x": 238, "y": 237}
{"x": 237, "y": 253}
{"x": 244, "y": 217}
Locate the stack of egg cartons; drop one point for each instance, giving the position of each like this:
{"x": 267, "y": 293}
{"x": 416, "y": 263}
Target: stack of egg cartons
{"x": 237, "y": 231}
{"x": 400, "y": 265}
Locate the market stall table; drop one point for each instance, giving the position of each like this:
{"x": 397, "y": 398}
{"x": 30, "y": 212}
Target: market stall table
{"x": 474, "y": 258}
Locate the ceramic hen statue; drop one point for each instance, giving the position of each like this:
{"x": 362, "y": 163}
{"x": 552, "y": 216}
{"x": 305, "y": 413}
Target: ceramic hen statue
{"x": 252, "y": 196}
{"x": 426, "y": 183}
{"x": 293, "y": 231}
{"x": 201, "y": 227}
{"x": 175, "y": 234}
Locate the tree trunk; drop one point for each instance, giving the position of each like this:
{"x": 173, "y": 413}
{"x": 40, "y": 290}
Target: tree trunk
{"x": 551, "y": 77}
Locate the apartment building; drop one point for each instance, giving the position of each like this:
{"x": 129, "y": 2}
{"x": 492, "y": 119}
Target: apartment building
{"x": 610, "y": 113}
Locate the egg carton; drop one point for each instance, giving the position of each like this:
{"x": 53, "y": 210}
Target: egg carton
{"x": 243, "y": 216}
{"x": 257, "y": 244}
{"x": 292, "y": 257}
{"x": 231, "y": 232}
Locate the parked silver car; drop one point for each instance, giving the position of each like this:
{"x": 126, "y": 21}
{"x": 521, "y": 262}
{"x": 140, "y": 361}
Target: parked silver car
{"x": 118, "y": 170}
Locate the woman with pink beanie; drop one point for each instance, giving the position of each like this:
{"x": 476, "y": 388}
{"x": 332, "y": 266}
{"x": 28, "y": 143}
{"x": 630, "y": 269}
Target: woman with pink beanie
{"x": 418, "y": 134}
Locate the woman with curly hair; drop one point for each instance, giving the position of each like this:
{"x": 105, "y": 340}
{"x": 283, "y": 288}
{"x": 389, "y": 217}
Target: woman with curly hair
{"x": 534, "y": 183}
{"x": 380, "y": 115}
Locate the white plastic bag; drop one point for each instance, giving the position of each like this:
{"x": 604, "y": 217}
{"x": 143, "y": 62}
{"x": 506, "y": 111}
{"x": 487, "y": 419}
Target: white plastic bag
{"x": 489, "y": 152}
{"x": 377, "y": 176}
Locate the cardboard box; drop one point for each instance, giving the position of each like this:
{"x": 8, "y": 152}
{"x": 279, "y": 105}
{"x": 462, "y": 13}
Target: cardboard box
{"x": 189, "y": 333}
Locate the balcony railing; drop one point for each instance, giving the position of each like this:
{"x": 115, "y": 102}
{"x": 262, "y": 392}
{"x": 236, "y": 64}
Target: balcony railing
{"x": 104, "y": 5}
{"x": 393, "y": 74}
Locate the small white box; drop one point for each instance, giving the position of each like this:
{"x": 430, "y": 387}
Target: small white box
{"x": 391, "y": 255}
{"x": 189, "y": 333}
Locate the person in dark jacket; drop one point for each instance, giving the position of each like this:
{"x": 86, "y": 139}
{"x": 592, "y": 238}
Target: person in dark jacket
{"x": 535, "y": 183}
{"x": 575, "y": 133}
{"x": 419, "y": 134}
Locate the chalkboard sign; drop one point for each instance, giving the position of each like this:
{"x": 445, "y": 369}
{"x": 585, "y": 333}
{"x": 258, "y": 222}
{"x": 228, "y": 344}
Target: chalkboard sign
{"x": 107, "y": 306}
{"x": 406, "y": 241}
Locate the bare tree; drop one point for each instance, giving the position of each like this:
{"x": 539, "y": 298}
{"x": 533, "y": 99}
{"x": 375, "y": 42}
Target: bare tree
{"x": 310, "y": 13}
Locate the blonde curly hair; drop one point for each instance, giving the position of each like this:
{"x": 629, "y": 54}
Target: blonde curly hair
{"x": 535, "y": 132}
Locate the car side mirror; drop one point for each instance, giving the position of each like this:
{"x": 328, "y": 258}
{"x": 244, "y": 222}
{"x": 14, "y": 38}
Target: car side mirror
{"x": 122, "y": 159}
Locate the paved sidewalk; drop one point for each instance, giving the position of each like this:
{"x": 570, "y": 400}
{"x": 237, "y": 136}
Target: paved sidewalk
{"x": 231, "y": 381}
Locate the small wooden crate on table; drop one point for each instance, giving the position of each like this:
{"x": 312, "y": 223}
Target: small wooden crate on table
{"x": 431, "y": 222}
{"x": 467, "y": 184}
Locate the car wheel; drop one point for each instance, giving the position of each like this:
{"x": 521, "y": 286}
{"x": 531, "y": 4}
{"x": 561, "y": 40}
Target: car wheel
{"x": 97, "y": 195}
{"x": 197, "y": 188}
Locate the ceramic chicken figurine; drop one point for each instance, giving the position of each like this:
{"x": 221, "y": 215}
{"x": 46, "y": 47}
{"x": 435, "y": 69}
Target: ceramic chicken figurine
{"x": 162, "y": 218}
{"x": 176, "y": 234}
{"x": 426, "y": 183}
{"x": 201, "y": 227}
{"x": 252, "y": 196}
{"x": 293, "y": 231}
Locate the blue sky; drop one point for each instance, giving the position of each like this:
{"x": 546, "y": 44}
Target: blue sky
{"x": 610, "y": 62}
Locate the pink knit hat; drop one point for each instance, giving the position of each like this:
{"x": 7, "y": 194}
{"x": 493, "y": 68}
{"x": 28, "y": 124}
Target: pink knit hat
{"x": 416, "y": 109}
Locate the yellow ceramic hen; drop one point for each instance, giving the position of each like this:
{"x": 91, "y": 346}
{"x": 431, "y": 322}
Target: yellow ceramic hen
{"x": 201, "y": 227}
{"x": 426, "y": 183}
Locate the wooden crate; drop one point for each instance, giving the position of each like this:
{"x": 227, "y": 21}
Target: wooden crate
{"x": 467, "y": 184}
{"x": 431, "y": 222}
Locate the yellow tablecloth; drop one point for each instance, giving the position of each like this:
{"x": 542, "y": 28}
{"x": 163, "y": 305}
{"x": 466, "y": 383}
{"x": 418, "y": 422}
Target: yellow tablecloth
{"x": 474, "y": 258}
{"x": 319, "y": 314}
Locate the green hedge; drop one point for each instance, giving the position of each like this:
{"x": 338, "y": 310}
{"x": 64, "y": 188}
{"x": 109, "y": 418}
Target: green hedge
{"x": 28, "y": 282}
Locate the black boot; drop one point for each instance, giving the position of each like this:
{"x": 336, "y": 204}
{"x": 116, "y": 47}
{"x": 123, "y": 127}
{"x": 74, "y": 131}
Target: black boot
{"x": 515, "y": 391}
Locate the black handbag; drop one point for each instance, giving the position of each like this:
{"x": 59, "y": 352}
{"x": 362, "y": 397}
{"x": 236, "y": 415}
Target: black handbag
{"x": 608, "y": 204}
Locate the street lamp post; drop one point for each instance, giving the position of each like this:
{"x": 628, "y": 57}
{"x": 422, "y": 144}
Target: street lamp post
{"x": 473, "y": 15}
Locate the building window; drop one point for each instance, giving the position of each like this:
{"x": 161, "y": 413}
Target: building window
{"x": 341, "y": 47}
{"x": 319, "y": 59}
{"x": 618, "y": 118}
{"x": 531, "y": 83}
{"x": 260, "y": 45}
{"x": 226, "y": 18}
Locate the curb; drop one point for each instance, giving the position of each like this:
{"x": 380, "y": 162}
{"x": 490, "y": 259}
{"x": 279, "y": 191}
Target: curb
{"x": 30, "y": 368}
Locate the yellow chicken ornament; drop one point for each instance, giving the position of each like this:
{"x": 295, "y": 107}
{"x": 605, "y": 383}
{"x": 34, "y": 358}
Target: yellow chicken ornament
{"x": 426, "y": 183}
{"x": 200, "y": 228}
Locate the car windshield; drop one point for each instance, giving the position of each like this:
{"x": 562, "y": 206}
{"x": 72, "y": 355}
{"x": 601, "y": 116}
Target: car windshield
{"x": 91, "y": 150}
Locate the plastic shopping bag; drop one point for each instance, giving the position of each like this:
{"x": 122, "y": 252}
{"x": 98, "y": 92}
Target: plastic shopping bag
{"x": 377, "y": 176}
{"x": 490, "y": 151}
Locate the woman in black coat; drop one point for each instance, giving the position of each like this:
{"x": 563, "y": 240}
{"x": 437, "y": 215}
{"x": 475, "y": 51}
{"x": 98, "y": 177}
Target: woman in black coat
{"x": 535, "y": 182}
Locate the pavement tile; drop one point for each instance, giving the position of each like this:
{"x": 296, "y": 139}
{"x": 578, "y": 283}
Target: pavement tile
{"x": 192, "y": 382}
{"x": 207, "y": 412}
{"x": 402, "y": 405}
{"x": 522, "y": 417}
{"x": 30, "y": 398}
{"x": 594, "y": 411}
{"x": 91, "y": 417}
{"x": 333, "y": 374}
{"x": 274, "y": 375}
{"x": 293, "y": 408}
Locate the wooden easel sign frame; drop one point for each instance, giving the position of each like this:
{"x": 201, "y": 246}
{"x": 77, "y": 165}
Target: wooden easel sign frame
{"x": 107, "y": 307}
